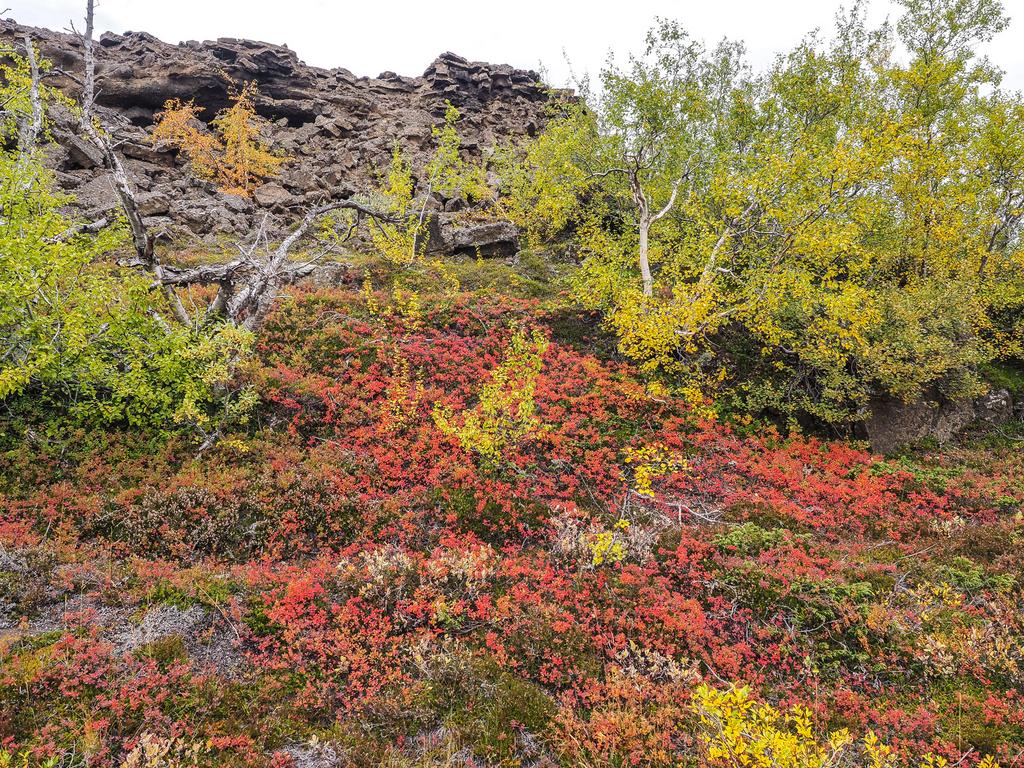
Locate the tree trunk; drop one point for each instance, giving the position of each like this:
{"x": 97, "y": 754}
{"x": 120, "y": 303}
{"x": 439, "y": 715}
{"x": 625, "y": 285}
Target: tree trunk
{"x": 645, "y": 265}
{"x": 644, "y": 220}
{"x": 33, "y": 126}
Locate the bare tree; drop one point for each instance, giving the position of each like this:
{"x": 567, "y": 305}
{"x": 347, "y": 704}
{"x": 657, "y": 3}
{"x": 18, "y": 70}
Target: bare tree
{"x": 33, "y": 126}
{"x": 248, "y": 285}
{"x": 142, "y": 239}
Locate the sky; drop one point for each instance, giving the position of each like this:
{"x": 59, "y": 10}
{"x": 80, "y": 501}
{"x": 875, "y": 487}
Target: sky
{"x": 553, "y": 36}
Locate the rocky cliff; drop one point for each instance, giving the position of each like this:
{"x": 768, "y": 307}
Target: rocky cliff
{"x": 336, "y": 127}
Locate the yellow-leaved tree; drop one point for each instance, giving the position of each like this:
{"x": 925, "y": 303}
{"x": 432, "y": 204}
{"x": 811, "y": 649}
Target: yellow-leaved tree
{"x": 843, "y": 226}
{"x": 407, "y": 198}
{"x": 234, "y": 155}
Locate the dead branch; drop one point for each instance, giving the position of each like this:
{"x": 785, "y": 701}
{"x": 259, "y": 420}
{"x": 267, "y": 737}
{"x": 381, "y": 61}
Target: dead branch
{"x": 255, "y": 299}
{"x": 89, "y": 82}
{"x": 87, "y": 228}
{"x": 249, "y": 284}
{"x": 142, "y": 240}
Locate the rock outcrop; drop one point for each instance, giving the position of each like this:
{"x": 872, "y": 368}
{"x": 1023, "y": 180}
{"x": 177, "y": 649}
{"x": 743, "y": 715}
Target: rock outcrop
{"x": 894, "y": 423}
{"x": 336, "y": 128}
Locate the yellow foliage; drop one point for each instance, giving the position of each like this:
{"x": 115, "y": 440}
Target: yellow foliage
{"x": 651, "y": 462}
{"x": 607, "y": 547}
{"x": 740, "y": 733}
{"x": 404, "y": 240}
{"x": 235, "y": 157}
{"x": 369, "y": 298}
{"x": 25, "y": 760}
{"x": 404, "y": 394}
{"x": 737, "y": 732}
{"x": 506, "y": 412}
{"x": 408, "y": 305}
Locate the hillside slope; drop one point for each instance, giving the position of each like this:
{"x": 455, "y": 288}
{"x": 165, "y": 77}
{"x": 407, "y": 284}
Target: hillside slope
{"x": 356, "y": 579}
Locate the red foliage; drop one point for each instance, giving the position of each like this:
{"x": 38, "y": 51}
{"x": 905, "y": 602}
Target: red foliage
{"x": 359, "y": 532}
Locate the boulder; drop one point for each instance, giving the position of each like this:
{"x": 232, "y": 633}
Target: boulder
{"x": 147, "y": 153}
{"x": 299, "y": 180}
{"x": 493, "y": 239}
{"x": 273, "y": 195}
{"x": 153, "y": 203}
{"x": 236, "y": 203}
{"x": 82, "y": 154}
{"x": 995, "y": 408}
{"x": 97, "y": 195}
{"x": 894, "y": 423}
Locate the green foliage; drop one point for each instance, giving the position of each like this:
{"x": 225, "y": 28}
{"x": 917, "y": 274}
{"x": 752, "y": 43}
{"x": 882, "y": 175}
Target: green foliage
{"x": 397, "y": 242}
{"x": 967, "y": 576}
{"x": 750, "y": 539}
{"x": 447, "y": 172}
{"x": 840, "y": 226}
{"x": 491, "y": 723}
{"x": 403, "y": 242}
{"x": 25, "y": 759}
{"x": 85, "y": 338}
{"x": 16, "y": 76}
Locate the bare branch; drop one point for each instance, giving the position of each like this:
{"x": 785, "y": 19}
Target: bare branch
{"x": 79, "y": 229}
{"x": 711, "y": 265}
{"x": 671, "y": 200}
{"x": 608, "y": 172}
{"x": 141, "y": 238}
{"x": 252, "y": 303}
{"x": 89, "y": 81}
{"x": 206, "y": 274}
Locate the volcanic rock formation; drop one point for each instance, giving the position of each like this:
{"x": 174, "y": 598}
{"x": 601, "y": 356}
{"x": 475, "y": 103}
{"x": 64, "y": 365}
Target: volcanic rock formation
{"x": 336, "y": 128}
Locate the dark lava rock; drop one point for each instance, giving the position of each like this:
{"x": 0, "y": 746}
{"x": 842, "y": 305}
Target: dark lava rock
{"x": 338, "y": 129}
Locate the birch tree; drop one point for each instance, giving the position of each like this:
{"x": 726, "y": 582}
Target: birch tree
{"x": 842, "y": 226}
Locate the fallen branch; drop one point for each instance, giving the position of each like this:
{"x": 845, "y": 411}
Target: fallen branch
{"x": 88, "y": 228}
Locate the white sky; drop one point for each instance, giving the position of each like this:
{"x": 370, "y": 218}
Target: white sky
{"x": 404, "y": 36}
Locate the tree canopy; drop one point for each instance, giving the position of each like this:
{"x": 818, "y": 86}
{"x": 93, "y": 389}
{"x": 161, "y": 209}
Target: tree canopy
{"x": 843, "y": 225}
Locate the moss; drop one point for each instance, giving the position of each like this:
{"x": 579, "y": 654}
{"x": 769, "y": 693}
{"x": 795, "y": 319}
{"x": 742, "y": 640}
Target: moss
{"x": 210, "y": 592}
{"x": 493, "y": 726}
{"x": 256, "y": 619}
{"x": 763, "y": 515}
{"x": 580, "y": 330}
{"x": 750, "y": 539}
{"x": 934, "y": 478}
{"x": 488, "y": 709}
{"x": 988, "y": 542}
{"x": 164, "y": 651}
{"x": 36, "y": 642}
{"x": 1006, "y": 375}
{"x": 489, "y": 521}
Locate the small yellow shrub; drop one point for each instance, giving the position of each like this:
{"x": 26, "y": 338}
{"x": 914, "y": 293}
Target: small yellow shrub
{"x": 506, "y": 412}
{"x": 736, "y": 732}
{"x": 651, "y": 462}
